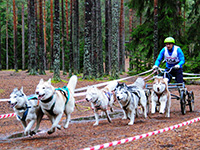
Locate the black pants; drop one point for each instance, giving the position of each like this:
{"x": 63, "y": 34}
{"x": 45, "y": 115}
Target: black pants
{"x": 177, "y": 73}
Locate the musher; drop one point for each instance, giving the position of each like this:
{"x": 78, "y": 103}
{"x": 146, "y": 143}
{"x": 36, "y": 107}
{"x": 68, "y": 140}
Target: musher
{"x": 174, "y": 57}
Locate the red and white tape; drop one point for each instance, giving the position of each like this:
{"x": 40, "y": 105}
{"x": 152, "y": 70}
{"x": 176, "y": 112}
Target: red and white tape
{"x": 141, "y": 136}
{"x": 7, "y": 115}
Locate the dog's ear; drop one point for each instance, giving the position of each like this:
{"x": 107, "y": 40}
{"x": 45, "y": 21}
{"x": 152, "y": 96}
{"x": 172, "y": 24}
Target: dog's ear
{"x": 15, "y": 89}
{"x": 21, "y": 89}
{"x": 41, "y": 81}
{"x": 49, "y": 81}
{"x": 166, "y": 80}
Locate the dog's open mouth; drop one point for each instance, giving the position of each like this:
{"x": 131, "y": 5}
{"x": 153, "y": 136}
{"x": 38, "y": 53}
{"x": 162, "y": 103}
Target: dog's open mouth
{"x": 13, "y": 104}
{"x": 40, "y": 96}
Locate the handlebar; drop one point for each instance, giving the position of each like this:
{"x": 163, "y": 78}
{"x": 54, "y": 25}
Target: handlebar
{"x": 165, "y": 71}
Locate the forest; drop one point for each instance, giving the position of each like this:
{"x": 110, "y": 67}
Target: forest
{"x": 94, "y": 37}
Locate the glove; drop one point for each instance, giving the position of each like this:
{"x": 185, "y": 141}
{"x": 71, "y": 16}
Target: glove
{"x": 177, "y": 66}
{"x": 155, "y": 67}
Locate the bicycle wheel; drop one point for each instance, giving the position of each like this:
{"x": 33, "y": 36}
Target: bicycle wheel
{"x": 182, "y": 102}
{"x": 191, "y": 100}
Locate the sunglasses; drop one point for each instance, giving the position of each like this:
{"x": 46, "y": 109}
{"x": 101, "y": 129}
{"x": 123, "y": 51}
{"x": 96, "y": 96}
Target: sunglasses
{"x": 168, "y": 43}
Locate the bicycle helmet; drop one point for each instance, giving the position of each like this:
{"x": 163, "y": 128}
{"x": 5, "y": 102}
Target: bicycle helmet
{"x": 169, "y": 40}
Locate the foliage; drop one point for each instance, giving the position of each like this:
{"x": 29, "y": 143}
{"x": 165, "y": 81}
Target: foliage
{"x": 170, "y": 23}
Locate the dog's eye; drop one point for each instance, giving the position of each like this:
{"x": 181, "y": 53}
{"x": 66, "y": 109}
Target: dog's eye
{"x": 43, "y": 88}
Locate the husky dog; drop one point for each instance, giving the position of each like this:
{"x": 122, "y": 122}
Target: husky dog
{"x": 101, "y": 99}
{"x": 160, "y": 95}
{"x": 54, "y": 102}
{"x": 27, "y": 111}
{"x": 130, "y": 97}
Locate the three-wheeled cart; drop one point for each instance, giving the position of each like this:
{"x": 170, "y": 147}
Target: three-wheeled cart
{"x": 186, "y": 97}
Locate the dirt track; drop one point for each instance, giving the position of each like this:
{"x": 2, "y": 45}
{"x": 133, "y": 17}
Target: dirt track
{"x": 82, "y": 134}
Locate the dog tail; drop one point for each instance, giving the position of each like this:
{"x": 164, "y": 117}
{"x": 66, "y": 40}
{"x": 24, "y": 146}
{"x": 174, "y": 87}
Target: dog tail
{"x": 72, "y": 83}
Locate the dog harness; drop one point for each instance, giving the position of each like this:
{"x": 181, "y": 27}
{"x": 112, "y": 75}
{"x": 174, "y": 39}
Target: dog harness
{"x": 25, "y": 113}
{"x": 62, "y": 90}
{"x": 108, "y": 94}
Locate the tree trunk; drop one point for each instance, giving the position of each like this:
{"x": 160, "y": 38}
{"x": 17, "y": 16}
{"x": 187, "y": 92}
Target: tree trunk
{"x": 56, "y": 45}
{"x": 45, "y": 37}
{"x": 36, "y": 33}
{"x": 115, "y": 42}
{"x": 121, "y": 39}
{"x": 0, "y": 46}
{"x": 63, "y": 37}
{"x": 7, "y": 35}
{"x": 87, "y": 70}
{"x": 15, "y": 37}
{"x": 75, "y": 37}
{"x": 108, "y": 30}
{"x": 71, "y": 42}
{"x": 41, "y": 41}
{"x": 94, "y": 39}
{"x": 155, "y": 36}
{"x": 52, "y": 56}
{"x": 32, "y": 49}
{"x": 23, "y": 46}
{"x": 67, "y": 34}
{"x": 130, "y": 37}
{"x": 99, "y": 40}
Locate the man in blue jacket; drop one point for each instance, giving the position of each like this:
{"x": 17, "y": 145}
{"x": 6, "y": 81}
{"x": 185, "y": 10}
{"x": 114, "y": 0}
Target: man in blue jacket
{"x": 174, "y": 57}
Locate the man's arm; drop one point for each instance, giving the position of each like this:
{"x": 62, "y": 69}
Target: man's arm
{"x": 181, "y": 57}
{"x": 160, "y": 57}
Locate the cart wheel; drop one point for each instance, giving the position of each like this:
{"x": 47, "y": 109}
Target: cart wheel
{"x": 182, "y": 101}
{"x": 191, "y": 100}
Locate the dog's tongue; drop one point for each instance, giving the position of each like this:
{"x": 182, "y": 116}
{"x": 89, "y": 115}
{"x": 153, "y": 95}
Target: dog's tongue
{"x": 40, "y": 96}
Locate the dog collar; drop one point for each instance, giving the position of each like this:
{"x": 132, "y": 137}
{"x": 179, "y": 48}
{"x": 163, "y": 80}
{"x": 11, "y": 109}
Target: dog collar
{"x": 24, "y": 107}
{"x": 47, "y": 100}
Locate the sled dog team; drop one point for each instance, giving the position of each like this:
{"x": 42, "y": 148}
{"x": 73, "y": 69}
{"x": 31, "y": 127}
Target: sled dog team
{"x": 53, "y": 102}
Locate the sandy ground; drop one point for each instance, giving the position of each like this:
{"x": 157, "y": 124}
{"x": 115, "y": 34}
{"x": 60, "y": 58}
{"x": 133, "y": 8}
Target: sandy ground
{"x": 82, "y": 134}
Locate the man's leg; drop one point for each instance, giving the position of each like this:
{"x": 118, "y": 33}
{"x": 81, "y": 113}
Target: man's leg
{"x": 178, "y": 73}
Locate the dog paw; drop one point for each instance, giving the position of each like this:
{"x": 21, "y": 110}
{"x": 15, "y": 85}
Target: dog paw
{"x": 96, "y": 124}
{"x": 51, "y": 131}
{"x": 130, "y": 123}
{"x": 66, "y": 126}
{"x": 167, "y": 115}
{"x": 124, "y": 118}
{"x": 32, "y": 133}
{"x": 59, "y": 127}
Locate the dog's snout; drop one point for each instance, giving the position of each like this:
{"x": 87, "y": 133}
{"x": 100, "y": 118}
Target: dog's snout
{"x": 158, "y": 89}
{"x": 37, "y": 93}
{"x": 9, "y": 102}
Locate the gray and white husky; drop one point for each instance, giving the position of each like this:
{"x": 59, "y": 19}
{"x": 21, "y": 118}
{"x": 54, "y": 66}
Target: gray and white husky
{"x": 101, "y": 99}
{"x": 27, "y": 111}
{"x": 54, "y": 102}
{"x": 129, "y": 97}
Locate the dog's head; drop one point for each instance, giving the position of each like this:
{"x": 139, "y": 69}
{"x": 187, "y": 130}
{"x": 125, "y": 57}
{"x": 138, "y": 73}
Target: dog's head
{"x": 44, "y": 90}
{"x": 17, "y": 98}
{"x": 121, "y": 91}
{"x": 91, "y": 93}
{"x": 160, "y": 85}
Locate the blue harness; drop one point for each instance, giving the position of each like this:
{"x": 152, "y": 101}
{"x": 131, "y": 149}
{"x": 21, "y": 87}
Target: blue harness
{"x": 64, "y": 93}
{"x": 24, "y": 114}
